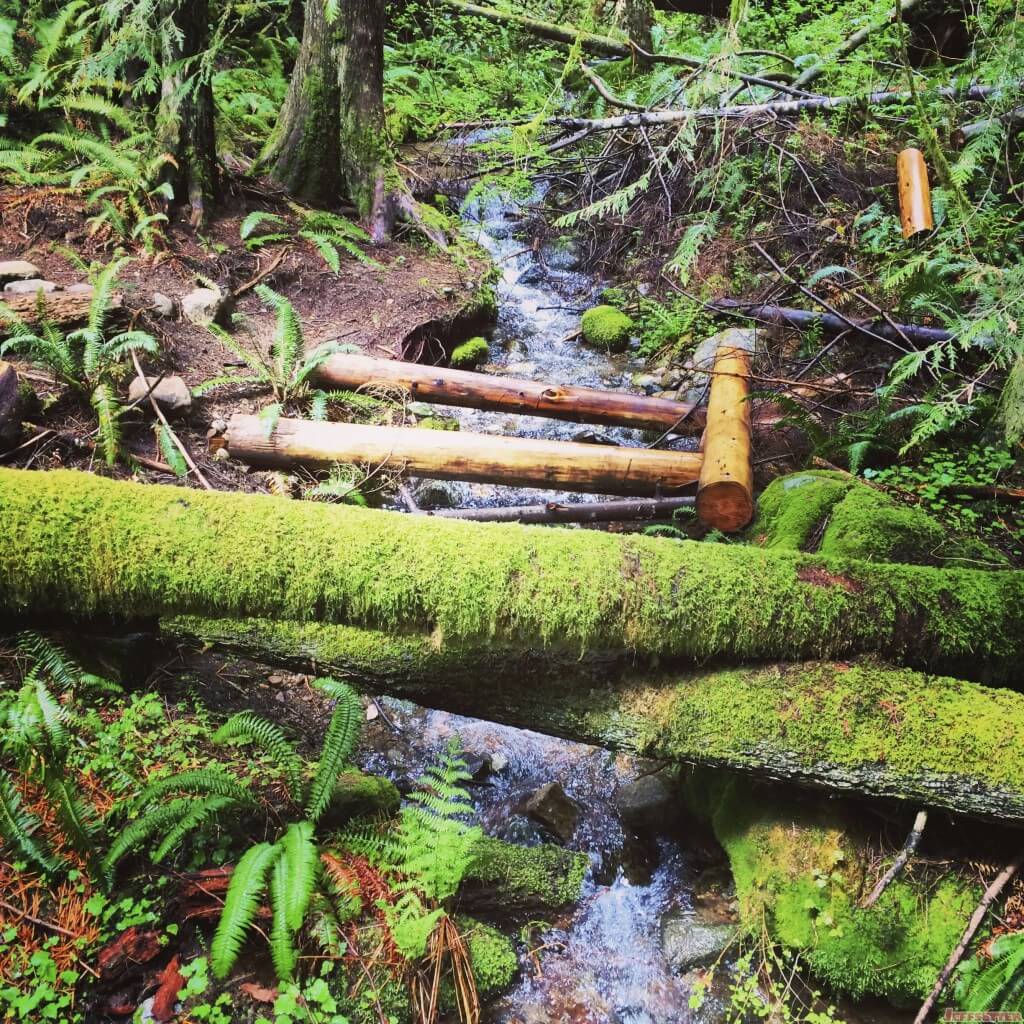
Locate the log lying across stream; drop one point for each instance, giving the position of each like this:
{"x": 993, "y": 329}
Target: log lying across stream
{"x": 510, "y": 394}
{"x": 861, "y": 726}
{"x": 78, "y": 544}
{"x": 458, "y": 455}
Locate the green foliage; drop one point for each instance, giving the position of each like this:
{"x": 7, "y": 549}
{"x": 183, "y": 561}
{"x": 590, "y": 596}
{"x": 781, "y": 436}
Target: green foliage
{"x": 89, "y": 361}
{"x": 607, "y": 328}
{"x": 470, "y": 354}
{"x": 995, "y": 982}
{"x": 340, "y": 741}
{"x": 328, "y": 233}
{"x": 248, "y": 727}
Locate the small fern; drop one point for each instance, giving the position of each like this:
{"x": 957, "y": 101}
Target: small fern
{"x": 18, "y": 828}
{"x": 340, "y": 741}
{"x": 997, "y": 984}
{"x": 249, "y": 727}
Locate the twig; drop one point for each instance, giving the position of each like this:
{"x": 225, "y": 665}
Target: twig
{"x": 274, "y": 264}
{"x": 38, "y": 921}
{"x": 956, "y": 956}
{"x": 174, "y": 437}
{"x": 602, "y": 88}
{"x": 906, "y": 852}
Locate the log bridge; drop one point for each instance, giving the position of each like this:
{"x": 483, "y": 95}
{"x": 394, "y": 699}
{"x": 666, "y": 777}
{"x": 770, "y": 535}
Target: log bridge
{"x": 722, "y": 471}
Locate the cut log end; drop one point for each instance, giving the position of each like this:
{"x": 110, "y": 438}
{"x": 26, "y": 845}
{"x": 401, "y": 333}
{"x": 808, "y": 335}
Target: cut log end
{"x": 727, "y": 505}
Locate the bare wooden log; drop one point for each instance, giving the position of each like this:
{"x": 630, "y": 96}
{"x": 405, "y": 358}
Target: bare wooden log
{"x": 89, "y": 546}
{"x": 802, "y": 319}
{"x": 605, "y": 45}
{"x": 914, "y": 192}
{"x": 465, "y": 388}
{"x": 62, "y": 308}
{"x": 823, "y": 724}
{"x": 1012, "y": 119}
{"x": 520, "y": 461}
{"x": 584, "y": 512}
{"x": 725, "y": 493}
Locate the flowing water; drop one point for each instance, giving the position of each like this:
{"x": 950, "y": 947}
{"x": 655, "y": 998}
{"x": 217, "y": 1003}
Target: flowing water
{"x": 603, "y": 963}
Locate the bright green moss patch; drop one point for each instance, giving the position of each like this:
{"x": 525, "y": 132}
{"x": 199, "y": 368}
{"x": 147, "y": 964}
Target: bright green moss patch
{"x": 492, "y": 955}
{"x": 607, "y": 328}
{"x": 471, "y": 354}
{"x": 791, "y": 508}
{"x": 800, "y": 872}
{"x": 88, "y": 545}
{"x": 537, "y": 876}
{"x": 931, "y": 738}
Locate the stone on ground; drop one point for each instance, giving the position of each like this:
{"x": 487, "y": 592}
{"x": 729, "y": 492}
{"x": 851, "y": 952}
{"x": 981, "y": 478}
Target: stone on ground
{"x": 171, "y": 393}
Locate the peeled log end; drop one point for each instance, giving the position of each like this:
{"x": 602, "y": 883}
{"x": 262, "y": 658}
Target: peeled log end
{"x": 727, "y": 505}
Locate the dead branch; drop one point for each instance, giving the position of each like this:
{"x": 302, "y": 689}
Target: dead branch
{"x": 906, "y": 852}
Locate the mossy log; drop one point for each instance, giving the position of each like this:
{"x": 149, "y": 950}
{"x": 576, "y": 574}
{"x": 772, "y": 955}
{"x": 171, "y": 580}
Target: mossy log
{"x": 848, "y": 727}
{"x": 801, "y": 871}
{"x": 86, "y": 545}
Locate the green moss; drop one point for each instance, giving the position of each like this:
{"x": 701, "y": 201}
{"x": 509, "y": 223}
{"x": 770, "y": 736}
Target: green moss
{"x": 438, "y": 423}
{"x": 839, "y": 516}
{"x": 800, "y": 873}
{"x": 937, "y": 738}
{"x": 493, "y": 956}
{"x": 357, "y": 794}
{"x": 471, "y": 354}
{"x": 607, "y": 328}
{"x": 90, "y": 545}
{"x": 536, "y": 876}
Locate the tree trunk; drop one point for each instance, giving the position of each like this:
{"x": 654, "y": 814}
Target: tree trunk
{"x": 635, "y": 18}
{"x": 459, "y": 455}
{"x": 509, "y": 394}
{"x": 85, "y": 545}
{"x": 185, "y": 125}
{"x": 366, "y": 161}
{"x": 304, "y": 151}
{"x": 858, "y": 727}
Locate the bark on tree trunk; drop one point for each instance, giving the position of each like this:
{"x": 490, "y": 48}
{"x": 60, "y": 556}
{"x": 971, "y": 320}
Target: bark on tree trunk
{"x": 858, "y": 727}
{"x": 304, "y": 152}
{"x": 185, "y": 125}
{"x": 86, "y": 545}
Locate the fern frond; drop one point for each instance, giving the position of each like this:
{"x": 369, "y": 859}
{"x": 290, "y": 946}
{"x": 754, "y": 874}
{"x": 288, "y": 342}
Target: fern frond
{"x": 255, "y": 219}
{"x": 340, "y": 741}
{"x": 159, "y": 819}
{"x": 200, "y": 813}
{"x": 287, "y": 344}
{"x": 270, "y": 738}
{"x": 213, "y": 781}
{"x": 108, "y": 411}
{"x": 76, "y": 818}
{"x": 169, "y": 450}
{"x": 18, "y": 828}
{"x": 248, "y": 881}
{"x": 343, "y": 884}
{"x": 49, "y": 658}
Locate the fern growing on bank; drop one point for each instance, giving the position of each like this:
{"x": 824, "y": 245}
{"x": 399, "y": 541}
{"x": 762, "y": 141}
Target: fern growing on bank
{"x": 997, "y": 984}
{"x": 89, "y": 361}
{"x": 287, "y": 870}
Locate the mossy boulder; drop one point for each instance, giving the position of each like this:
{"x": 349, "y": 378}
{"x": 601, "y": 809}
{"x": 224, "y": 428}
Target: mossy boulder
{"x": 492, "y": 956}
{"x": 544, "y": 877}
{"x": 801, "y": 870}
{"x": 830, "y": 513}
{"x": 471, "y": 354}
{"x": 607, "y": 328}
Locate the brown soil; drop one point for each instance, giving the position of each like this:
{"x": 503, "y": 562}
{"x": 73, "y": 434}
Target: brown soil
{"x": 419, "y": 304}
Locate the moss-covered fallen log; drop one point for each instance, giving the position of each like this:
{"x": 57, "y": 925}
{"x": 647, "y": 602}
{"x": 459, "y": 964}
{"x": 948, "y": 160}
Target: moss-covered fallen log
{"x": 849, "y": 727}
{"x": 85, "y": 545}
{"x": 800, "y": 873}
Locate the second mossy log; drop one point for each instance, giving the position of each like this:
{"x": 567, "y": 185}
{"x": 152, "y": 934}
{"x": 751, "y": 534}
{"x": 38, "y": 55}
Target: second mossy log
{"x": 859, "y": 727}
{"x": 89, "y": 546}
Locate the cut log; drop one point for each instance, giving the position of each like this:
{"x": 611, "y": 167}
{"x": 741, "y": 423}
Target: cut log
{"x": 914, "y": 192}
{"x": 10, "y": 405}
{"x": 584, "y": 512}
{"x": 485, "y": 458}
{"x": 62, "y": 308}
{"x": 87, "y": 545}
{"x": 725, "y": 494}
{"x": 802, "y": 319}
{"x": 509, "y": 394}
{"x": 860, "y": 727}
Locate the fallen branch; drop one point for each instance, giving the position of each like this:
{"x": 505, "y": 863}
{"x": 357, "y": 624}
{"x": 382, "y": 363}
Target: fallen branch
{"x": 997, "y": 886}
{"x": 605, "y": 45}
{"x": 779, "y": 108}
{"x": 604, "y": 92}
{"x": 1012, "y": 119}
{"x": 906, "y": 852}
{"x": 802, "y": 319}
{"x": 585, "y": 512}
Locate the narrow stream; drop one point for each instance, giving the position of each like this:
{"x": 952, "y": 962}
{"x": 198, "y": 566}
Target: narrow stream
{"x": 604, "y": 962}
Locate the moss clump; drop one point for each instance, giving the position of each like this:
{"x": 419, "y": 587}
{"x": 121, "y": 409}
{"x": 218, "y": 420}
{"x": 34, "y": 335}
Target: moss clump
{"x": 837, "y": 515}
{"x": 471, "y": 354}
{"x": 607, "y": 328}
{"x": 80, "y": 538}
{"x": 800, "y": 873}
{"x": 438, "y": 423}
{"x": 357, "y": 794}
{"x": 492, "y": 955}
{"x": 538, "y": 876}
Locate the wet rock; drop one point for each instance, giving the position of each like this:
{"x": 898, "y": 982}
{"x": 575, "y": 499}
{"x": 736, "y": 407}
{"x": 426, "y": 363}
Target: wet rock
{"x": 520, "y": 830}
{"x": 532, "y": 276}
{"x": 171, "y": 393}
{"x": 703, "y": 358}
{"x": 421, "y": 409}
{"x": 563, "y": 261}
{"x": 17, "y": 270}
{"x": 551, "y": 806}
{"x": 161, "y": 305}
{"x": 521, "y": 369}
{"x": 203, "y": 305}
{"x": 688, "y": 943}
{"x": 650, "y": 803}
{"x": 82, "y": 288}
{"x": 30, "y": 287}
{"x": 499, "y": 762}
{"x": 593, "y": 437}
{"x": 650, "y": 382}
